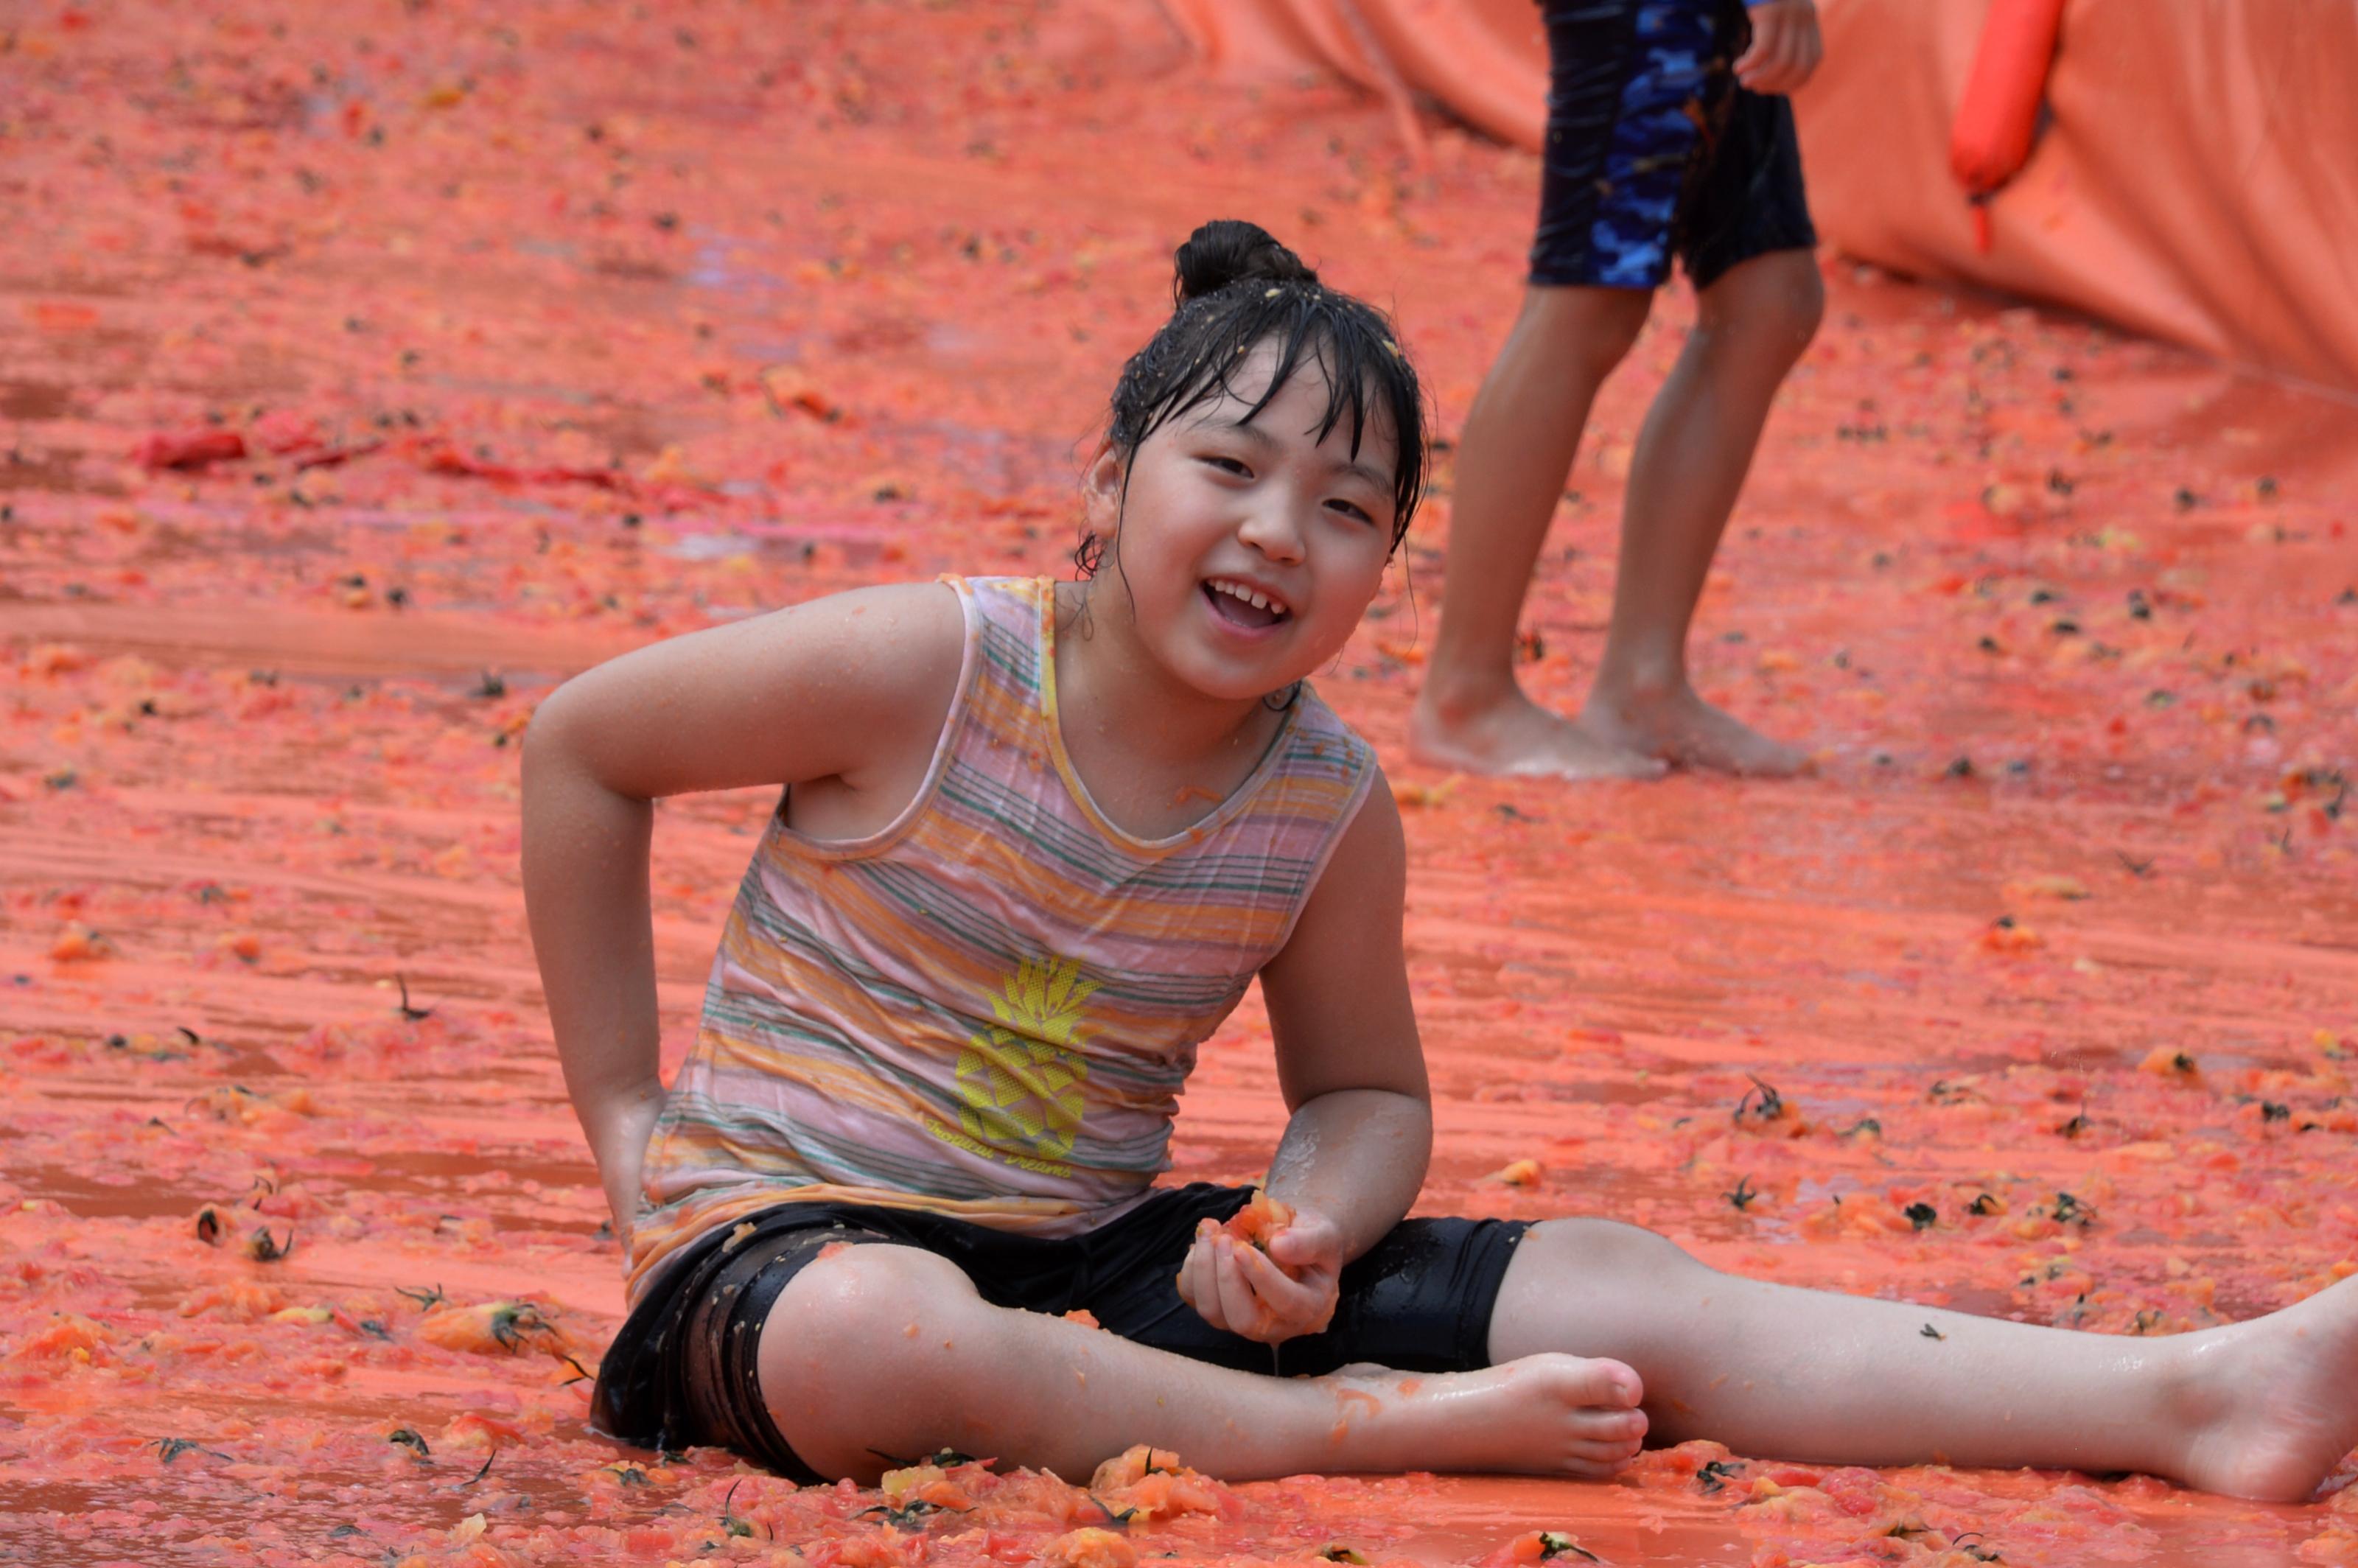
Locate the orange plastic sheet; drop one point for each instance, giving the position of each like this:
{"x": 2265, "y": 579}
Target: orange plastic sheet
{"x": 370, "y": 368}
{"x": 1486, "y": 60}
{"x": 2194, "y": 181}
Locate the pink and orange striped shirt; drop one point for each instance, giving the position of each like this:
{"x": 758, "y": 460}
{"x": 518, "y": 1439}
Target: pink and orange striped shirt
{"x": 988, "y": 1008}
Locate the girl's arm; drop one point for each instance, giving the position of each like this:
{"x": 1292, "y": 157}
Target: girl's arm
{"x": 850, "y": 689}
{"x": 1349, "y": 1061}
{"x": 1352, "y": 1071}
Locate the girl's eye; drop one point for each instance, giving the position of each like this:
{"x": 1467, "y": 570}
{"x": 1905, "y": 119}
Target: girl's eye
{"x": 1228, "y": 465}
{"x": 1352, "y": 509}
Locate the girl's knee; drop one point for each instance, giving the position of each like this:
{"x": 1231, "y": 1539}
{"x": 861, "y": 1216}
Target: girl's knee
{"x": 842, "y": 1307}
{"x": 854, "y": 1344}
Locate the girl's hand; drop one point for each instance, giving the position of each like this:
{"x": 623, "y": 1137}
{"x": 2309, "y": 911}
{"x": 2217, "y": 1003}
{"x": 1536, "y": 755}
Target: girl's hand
{"x": 1272, "y": 1297}
{"x": 620, "y": 1147}
{"x": 1785, "y": 47}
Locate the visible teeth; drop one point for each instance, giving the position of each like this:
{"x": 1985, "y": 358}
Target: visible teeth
{"x": 1257, "y": 599}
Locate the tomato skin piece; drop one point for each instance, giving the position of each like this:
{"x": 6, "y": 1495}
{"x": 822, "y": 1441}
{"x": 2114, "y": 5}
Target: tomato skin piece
{"x": 493, "y": 1328}
{"x": 1259, "y": 1219}
{"x": 1089, "y": 1547}
{"x": 188, "y": 449}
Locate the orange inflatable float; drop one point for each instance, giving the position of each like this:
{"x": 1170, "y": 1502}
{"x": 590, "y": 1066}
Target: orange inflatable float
{"x": 1999, "y": 119}
{"x": 1991, "y": 138}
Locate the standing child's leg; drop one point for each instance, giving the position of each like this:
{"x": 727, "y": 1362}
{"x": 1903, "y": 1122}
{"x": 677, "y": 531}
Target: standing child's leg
{"x": 1751, "y": 325}
{"x": 1638, "y": 164}
{"x": 881, "y": 1350}
{"x": 1513, "y": 461}
{"x": 1651, "y": 148}
{"x": 2263, "y": 1408}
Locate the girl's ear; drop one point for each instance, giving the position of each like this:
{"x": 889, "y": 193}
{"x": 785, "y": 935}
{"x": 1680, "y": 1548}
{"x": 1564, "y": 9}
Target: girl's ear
{"x": 1101, "y": 489}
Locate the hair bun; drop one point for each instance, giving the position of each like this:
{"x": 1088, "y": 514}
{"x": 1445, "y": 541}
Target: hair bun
{"x": 1229, "y": 250}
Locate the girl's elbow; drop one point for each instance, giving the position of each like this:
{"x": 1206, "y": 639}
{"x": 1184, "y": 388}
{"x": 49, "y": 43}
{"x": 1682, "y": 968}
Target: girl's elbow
{"x": 552, "y": 740}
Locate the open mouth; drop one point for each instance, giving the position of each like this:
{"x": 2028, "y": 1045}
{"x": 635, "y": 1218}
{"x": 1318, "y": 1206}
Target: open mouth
{"x": 1241, "y": 604}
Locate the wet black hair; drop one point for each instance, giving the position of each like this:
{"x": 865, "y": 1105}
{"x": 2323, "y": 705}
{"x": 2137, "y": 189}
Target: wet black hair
{"x": 1235, "y": 287}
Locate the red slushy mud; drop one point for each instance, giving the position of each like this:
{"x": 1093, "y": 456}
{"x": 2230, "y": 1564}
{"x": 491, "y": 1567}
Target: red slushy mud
{"x": 546, "y": 328}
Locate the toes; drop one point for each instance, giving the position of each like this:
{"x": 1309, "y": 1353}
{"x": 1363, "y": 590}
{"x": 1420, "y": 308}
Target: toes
{"x": 1611, "y": 1385}
{"x": 1614, "y": 1454}
{"x": 1589, "y": 1384}
{"x": 1598, "y": 1426}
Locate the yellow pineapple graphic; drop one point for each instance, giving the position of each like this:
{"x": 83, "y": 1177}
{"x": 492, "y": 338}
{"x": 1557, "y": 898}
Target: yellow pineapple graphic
{"x": 1021, "y": 1079}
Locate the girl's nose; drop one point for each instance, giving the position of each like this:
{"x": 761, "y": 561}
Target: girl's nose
{"x": 1270, "y": 529}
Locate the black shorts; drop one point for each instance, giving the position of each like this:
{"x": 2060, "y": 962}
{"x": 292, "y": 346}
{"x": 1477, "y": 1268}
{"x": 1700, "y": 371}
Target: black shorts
{"x": 684, "y": 1369}
{"x": 1653, "y": 150}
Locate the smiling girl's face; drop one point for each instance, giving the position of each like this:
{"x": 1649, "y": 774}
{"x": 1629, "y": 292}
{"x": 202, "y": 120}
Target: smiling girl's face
{"x": 1250, "y": 548}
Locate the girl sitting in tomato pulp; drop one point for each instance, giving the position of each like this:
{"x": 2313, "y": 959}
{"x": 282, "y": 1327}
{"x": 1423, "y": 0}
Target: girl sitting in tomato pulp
{"x": 1035, "y": 840}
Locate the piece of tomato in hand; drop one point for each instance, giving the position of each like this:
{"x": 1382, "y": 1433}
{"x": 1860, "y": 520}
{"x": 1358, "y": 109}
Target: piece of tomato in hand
{"x": 1259, "y": 1220}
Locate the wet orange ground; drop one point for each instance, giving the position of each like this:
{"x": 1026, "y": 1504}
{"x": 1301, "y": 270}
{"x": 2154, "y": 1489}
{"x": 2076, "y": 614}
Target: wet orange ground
{"x": 549, "y": 326}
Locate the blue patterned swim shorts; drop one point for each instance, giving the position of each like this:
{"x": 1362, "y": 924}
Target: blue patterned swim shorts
{"x": 1654, "y": 151}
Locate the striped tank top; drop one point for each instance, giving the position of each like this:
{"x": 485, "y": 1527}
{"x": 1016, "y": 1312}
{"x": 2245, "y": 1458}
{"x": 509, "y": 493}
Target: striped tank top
{"x": 988, "y": 1007}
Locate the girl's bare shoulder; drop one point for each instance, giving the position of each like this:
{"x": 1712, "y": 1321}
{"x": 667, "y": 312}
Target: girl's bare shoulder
{"x": 825, "y": 687}
{"x": 903, "y": 631}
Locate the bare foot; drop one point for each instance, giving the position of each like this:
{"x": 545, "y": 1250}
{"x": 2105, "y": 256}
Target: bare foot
{"x": 2273, "y": 1399}
{"x": 1515, "y": 737}
{"x": 1543, "y": 1415}
{"x": 1684, "y": 730}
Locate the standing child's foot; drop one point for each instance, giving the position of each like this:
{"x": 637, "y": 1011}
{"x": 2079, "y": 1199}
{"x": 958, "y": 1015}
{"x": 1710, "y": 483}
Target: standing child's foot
{"x": 2275, "y": 1401}
{"x": 1685, "y": 731}
{"x": 1513, "y": 737}
{"x": 1542, "y": 1415}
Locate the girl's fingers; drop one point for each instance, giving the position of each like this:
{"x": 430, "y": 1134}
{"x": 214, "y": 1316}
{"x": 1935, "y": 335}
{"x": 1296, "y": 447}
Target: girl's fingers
{"x": 1314, "y": 1295}
{"x": 1242, "y": 1291}
{"x": 1281, "y": 1291}
{"x": 1245, "y": 1312}
{"x": 1198, "y": 1285}
{"x": 1302, "y": 1304}
{"x": 1217, "y": 1298}
{"x": 1204, "y": 1282}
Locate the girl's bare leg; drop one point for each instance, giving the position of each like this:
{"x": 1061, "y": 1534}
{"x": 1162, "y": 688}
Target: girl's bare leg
{"x": 1517, "y": 450}
{"x": 2263, "y": 1408}
{"x": 888, "y": 1350}
{"x": 1751, "y": 325}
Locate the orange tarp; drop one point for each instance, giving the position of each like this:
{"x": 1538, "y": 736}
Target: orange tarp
{"x": 1485, "y": 59}
{"x": 2194, "y": 181}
